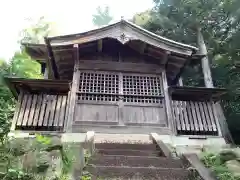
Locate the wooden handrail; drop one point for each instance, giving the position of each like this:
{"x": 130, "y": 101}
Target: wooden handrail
{"x": 195, "y": 162}
{"x": 165, "y": 150}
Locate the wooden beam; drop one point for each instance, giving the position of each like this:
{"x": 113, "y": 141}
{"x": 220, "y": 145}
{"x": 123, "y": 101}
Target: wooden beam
{"x": 74, "y": 89}
{"x": 167, "y": 98}
{"x": 143, "y": 48}
{"x": 205, "y": 62}
{"x": 100, "y": 45}
{"x": 175, "y": 80}
{"x": 180, "y": 81}
{"x": 51, "y": 61}
{"x": 166, "y": 58}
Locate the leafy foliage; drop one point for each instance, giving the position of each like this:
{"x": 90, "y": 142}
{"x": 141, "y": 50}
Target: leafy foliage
{"x": 21, "y": 65}
{"x": 102, "y": 16}
{"x": 29, "y": 159}
{"x": 215, "y": 163}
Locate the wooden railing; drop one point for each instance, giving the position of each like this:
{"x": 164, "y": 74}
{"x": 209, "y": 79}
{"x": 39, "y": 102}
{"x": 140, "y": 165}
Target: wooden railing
{"x": 195, "y": 117}
{"x": 41, "y": 112}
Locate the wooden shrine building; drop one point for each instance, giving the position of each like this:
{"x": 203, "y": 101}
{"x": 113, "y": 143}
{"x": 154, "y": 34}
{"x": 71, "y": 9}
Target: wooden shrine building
{"x": 116, "y": 79}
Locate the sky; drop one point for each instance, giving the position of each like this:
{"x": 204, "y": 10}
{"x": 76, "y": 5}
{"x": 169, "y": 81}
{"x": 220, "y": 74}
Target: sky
{"x": 69, "y": 16}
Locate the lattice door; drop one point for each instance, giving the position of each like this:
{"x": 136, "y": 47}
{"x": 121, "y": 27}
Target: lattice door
{"x": 98, "y": 97}
{"x": 101, "y": 93}
{"x": 98, "y": 86}
{"x": 142, "y": 89}
{"x": 143, "y": 101}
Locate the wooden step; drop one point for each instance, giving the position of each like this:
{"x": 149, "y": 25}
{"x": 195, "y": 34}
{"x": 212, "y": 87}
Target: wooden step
{"x": 127, "y": 152}
{"x": 140, "y": 147}
{"x": 135, "y": 161}
{"x": 140, "y": 173}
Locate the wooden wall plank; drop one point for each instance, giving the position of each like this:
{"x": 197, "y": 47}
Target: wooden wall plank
{"x": 190, "y": 117}
{"x": 216, "y": 119}
{"x": 47, "y": 111}
{"x": 208, "y": 121}
{"x": 17, "y": 111}
{"x": 58, "y": 110}
{"x": 144, "y": 115}
{"x": 38, "y": 110}
{"x": 22, "y": 111}
{"x": 119, "y": 66}
{"x": 203, "y": 117}
{"x": 32, "y": 110}
{"x": 63, "y": 111}
{"x": 175, "y": 115}
{"x": 181, "y": 115}
{"x": 27, "y": 110}
{"x": 67, "y": 109}
{"x": 53, "y": 110}
{"x": 185, "y": 116}
{"x": 42, "y": 111}
{"x": 209, "y": 105}
{"x": 199, "y": 120}
{"x": 194, "y": 115}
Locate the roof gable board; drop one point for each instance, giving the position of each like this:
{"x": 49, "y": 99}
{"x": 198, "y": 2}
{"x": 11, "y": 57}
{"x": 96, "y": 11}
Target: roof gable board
{"x": 125, "y": 31}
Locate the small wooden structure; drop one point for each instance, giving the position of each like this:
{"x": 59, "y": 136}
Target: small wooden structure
{"x": 118, "y": 77}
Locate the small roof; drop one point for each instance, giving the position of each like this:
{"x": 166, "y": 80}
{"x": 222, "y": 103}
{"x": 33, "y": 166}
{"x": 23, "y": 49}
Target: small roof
{"x": 37, "y": 85}
{"x": 196, "y": 93}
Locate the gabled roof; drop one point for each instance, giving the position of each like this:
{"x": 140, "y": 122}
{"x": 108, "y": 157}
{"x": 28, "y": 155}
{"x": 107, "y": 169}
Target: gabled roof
{"x": 58, "y": 49}
{"x": 124, "y": 31}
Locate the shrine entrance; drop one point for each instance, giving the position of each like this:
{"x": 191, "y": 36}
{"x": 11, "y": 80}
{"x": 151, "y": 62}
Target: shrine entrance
{"x": 114, "y": 98}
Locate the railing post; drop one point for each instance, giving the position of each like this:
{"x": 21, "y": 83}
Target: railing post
{"x": 168, "y": 103}
{"x": 74, "y": 88}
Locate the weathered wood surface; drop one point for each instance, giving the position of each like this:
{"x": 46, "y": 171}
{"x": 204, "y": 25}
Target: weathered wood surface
{"x": 149, "y": 115}
{"x": 39, "y": 112}
{"x": 205, "y": 62}
{"x": 74, "y": 88}
{"x": 168, "y": 102}
{"x": 119, "y": 66}
{"x": 120, "y": 98}
{"x": 195, "y": 117}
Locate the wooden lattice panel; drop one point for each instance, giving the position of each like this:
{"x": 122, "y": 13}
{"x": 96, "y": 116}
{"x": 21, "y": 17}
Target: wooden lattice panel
{"x": 97, "y": 97}
{"x": 141, "y": 85}
{"x": 144, "y": 100}
{"x": 99, "y": 82}
{"x": 109, "y": 86}
{"x": 41, "y": 112}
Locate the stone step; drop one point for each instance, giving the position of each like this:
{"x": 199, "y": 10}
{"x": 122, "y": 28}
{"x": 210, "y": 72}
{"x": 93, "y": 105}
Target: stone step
{"x": 140, "y": 147}
{"x": 138, "y": 173}
{"x": 135, "y": 161}
{"x": 127, "y": 152}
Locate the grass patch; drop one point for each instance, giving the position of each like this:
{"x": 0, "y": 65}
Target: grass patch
{"x": 216, "y": 163}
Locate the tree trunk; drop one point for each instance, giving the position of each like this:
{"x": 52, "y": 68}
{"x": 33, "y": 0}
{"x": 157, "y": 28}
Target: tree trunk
{"x": 205, "y": 63}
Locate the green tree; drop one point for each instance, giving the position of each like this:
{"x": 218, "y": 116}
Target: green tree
{"x": 21, "y": 65}
{"x": 37, "y": 30}
{"x": 219, "y": 22}
{"x": 102, "y": 16}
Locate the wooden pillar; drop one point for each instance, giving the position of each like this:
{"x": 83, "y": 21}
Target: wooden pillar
{"x": 74, "y": 89}
{"x": 180, "y": 81}
{"x": 168, "y": 100}
{"x": 45, "y": 75}
{"x": 205, "y": 62}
